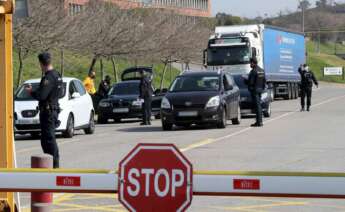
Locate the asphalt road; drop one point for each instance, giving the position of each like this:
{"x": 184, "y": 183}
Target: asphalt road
{"x": 289, "y": 141}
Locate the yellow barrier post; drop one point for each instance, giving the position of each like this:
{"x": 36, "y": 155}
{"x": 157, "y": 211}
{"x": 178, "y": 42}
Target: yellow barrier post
{"x": 6, "y": 96}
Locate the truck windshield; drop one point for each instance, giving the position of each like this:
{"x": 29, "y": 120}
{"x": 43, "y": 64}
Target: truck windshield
{"x": 233, "y": 55}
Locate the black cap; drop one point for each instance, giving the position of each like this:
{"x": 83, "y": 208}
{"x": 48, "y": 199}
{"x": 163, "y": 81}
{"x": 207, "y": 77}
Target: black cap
{"x": 45, "y": 58}
{"x": 254, "y": 60}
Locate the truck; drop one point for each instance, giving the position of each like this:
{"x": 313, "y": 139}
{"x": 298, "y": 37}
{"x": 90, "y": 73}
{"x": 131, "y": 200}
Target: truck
{"x": 279, "y": 52}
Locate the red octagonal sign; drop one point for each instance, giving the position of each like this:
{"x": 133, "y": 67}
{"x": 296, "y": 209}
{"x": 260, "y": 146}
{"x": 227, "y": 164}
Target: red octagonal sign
{"x": 155, "y": 177}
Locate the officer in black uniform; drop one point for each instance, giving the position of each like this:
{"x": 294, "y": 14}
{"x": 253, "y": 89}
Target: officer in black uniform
{"x": 307, "y": 80}
{"x": 256, "y": 85}
{"x": 146, "y": 94}
{"x": 48, "y": 95}
{"x": 104, "y": 87}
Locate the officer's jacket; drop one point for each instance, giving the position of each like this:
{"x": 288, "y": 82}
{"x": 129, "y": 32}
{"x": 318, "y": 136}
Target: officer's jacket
{"x": 47, "y": 94}
{"x": 145, "y": 88}
{"x": 307, "y": 78}
{"x": 256, "y": 80}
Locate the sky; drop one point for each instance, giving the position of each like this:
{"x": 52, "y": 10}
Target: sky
{"x": 254, "y": 8}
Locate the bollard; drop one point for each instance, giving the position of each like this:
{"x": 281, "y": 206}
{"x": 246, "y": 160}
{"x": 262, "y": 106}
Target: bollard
{"x": 40, "y": 201}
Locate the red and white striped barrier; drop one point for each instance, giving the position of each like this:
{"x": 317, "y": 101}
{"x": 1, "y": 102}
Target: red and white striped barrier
{"x": 266, "y": 184}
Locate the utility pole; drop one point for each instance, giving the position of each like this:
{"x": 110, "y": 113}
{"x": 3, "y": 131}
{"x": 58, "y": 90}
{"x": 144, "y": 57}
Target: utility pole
{"x": 6, "y": 97}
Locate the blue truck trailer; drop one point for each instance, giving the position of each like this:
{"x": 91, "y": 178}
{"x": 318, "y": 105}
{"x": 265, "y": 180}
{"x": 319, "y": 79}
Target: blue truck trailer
{"x": 279, "y": 52}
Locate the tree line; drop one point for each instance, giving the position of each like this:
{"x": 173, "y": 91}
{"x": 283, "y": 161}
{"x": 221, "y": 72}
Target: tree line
{"x": 105, "y": 31}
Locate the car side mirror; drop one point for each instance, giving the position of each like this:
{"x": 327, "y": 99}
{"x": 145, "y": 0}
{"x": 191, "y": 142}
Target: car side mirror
{"x": 75, "y": 95}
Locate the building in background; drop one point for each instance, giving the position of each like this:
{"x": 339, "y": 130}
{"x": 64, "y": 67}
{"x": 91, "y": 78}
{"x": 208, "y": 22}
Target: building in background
{"x": 199, "y": 8}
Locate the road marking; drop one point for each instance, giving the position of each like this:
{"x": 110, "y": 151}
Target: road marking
{"x": 255, "y": 207}
{"x": 196, "y": 145}
{"x": 75, "y": 207}
{"x": 39, "y": 148}
{"x": 214, "y": 140}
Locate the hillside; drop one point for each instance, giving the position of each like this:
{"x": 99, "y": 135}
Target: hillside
{"x": 326, "y": 58}
{"x": 77, "y": 66}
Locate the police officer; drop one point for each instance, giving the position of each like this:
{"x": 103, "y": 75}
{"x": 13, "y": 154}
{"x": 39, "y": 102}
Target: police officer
{"x": 307, "y": 80}
{"x": 256, "y": 84}
{"x": 48, "y": 94}
{"x": 146, "y": 94}
{"x": 104, "y": 87}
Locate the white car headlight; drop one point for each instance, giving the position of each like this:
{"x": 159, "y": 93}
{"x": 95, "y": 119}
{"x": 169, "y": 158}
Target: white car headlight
{"x": 138, "y": 102}
{"x": 213, "y": 102}
{"x": 165, "y": 103}
{"x": 104, "y": 104}
{"x": 264, "y": 96}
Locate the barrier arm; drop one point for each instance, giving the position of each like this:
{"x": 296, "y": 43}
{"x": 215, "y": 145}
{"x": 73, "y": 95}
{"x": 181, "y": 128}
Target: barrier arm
{"x": 6, "y": 96}
{"x": 208, "y": 183}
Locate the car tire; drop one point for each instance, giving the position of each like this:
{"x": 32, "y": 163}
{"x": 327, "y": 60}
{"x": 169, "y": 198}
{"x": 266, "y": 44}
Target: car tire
{"x": 267, "y": 113}
{"x": 69, "y": 132}
{"x": 117, "y": 120}
{"x": 237, "y": 121}
{"x": 167, "y": 126}
{"x": 35, "y": 135}
{"x": 223, "y": 121}
{"x": 101, "y": 119}
{"x": 91, "y": 127}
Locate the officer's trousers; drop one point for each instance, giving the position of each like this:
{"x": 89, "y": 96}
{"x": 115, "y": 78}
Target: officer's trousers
{"x": 48, "y": 120}
{"x": 256, "y": 99}
{"x": 306, "y": 92}
{"x": 147, "y": 110}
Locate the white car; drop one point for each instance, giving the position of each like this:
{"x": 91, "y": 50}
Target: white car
{"x": 77, "y": 110}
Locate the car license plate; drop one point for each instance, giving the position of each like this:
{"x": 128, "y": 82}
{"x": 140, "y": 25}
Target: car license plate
{"x": 28, "y": 121}
{"x": 121, "y": 110}
{"x": 188, "y": 113}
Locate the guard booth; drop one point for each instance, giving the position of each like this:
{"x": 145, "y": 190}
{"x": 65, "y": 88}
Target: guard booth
{"x": 6, "y": 96}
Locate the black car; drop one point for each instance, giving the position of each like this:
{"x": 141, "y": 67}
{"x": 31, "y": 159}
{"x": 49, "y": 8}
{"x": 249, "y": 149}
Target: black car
{"x": 203, "y": 97}
{"x": 246, "y": 99}
{"x": 123, "y": 99}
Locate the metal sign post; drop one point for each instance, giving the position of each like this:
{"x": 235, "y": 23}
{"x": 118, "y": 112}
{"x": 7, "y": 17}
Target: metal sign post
{"x": 6, "y": 95}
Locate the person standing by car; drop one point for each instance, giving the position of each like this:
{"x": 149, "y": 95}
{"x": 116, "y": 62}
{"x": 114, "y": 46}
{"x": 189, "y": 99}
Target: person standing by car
{"x": 104, "y": 87}
{"x": 307, "y": 80}
{"x": 256, "y": 85}
{"x": 89, "y": 85}
{"x": 146, "y": 94}
{"x": 48, "y": 95}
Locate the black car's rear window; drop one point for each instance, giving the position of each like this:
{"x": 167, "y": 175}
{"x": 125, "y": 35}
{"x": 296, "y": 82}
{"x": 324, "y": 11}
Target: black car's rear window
{"x": 130, "y": 88}
{"x": 195, "y": 83}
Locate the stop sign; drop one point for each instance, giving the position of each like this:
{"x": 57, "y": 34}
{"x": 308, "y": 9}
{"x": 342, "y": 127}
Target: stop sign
{"x": 155, "y": 177}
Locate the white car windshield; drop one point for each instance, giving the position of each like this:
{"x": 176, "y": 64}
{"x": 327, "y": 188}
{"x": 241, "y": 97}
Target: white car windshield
{"x": 22, "y": 95}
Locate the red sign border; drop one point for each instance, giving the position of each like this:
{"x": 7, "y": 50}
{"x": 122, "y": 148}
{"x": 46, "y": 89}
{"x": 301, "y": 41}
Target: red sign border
{"x": 155, "y": 145}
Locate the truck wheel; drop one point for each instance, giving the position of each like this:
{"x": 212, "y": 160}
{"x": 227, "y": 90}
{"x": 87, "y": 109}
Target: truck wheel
{"x": 69, "y": 132}
{"x": 167, "y": 126}
{"x": 91, "y": 128}
{"x": 296, "y": 91}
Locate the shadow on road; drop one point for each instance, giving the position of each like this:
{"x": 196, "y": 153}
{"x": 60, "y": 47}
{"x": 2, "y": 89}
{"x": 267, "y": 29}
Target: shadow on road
{"x": 147, "y": 129}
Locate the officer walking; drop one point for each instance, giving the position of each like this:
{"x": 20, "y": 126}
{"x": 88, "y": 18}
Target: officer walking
{"x": 146, "y": 94}
{"x": 48, "y": 95}
{"x": 307, "y": 80}
{"x": 256, "y": 84}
